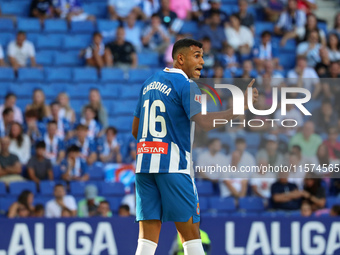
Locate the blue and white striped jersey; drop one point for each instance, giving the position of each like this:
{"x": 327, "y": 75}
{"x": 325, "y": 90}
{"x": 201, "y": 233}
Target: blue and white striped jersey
{"x": 167, "y": 101}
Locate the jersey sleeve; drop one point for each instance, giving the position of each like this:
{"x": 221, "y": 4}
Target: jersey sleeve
{"x": 191, "y": 99}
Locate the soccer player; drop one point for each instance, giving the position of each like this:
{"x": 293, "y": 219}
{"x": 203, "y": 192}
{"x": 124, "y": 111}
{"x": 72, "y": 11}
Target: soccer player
{"x": 167, "y": 110}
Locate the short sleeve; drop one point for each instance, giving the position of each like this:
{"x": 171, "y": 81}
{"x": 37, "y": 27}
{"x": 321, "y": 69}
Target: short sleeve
{"x": 31, "y": 50}
{"x": 191, "y": 99}
{"x": 1, "y": 53}
{"x": 11, "y": 50}
{"x": 71, "y": 203}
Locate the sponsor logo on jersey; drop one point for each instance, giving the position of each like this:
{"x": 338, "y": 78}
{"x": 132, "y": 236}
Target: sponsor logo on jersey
{"x": 152, "y": 148}
{"x": 198, "y": 98}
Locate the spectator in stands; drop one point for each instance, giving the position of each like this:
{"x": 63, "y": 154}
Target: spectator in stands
{"x": 289, "y": 21}
{"x": 94, "y": 128}
{"x": 247, "y": 19}
{"x": 39, "y": 211}
{"x": 41, "y": 9}
{"x": 131, "y": 153}
{"x": 307, "y": 5}
{"x": 310, "y": 49}
{"x": 71, "y": 11}
{"x": 20, "y": 143}
{"x": 149, "y": 7}
{"x": 74, "y": 167}
{"x": 33, "y": 128}
{"x": 94, "y": 54}
{"x": 324, "y": 117}
{"x": 233, "y": 185}
{"x": 109, "y": 151}
{"x": 88, "y": 206}
{"x": 214, "y": 31}
{"x": 247, "y": 74}
{"x": 322, "y": 67}
{"x": 55, "y": 147}
{"x": 10, "y": 167}
{"x": 120, "y": 9}
{"x": 333, "y": 47}
{"x": 6, "y": 122}
{"x": 66, "y": 111}
{"x": 60, "y": 202}
{"x": 215, "y": 7}
{"x": 262, "y": 181}
{"x": 335, "y": 211}
{"x": 311, "y": 26}
{"x": 104, "y": 209}
{"x": 238, "y": 36}
{"x": 120, "y": 53}
{"x": 270, "y": 75}
{"x": 166, "y": 15}
{"x": 182, "y": 8}
{"x": 296, "y": 177}
{"x": 66, "y": 213}
{"x": 210, "y": 159}
{"x": 39, "y": 167}
{"x": 133, "y": 31}
{"x": 313, "y": 192}
{"x": 270, "y": 154}
{"x": 333, "y": 145}
{"x": 228, "y": 58}
{"x": 20, "y": 50}
{"x": 38, "y": 104}
{"x": 209, "y": 56}
{"x": 23, "y": 207}
{"x": 156, "y": 36}
{"x": 265, "y": 51}
{"x": 124, "y": 211}
{"x": 303, "y": 76}
{"x": 2, "y": 56}
{"x": 63, "y": 126}
{"x": 336, "y": 28}
{"x": 10, "y": 101}
{"x": 285, "y": 195}
{"x": 87, "y": 146}
{"x": 307, "y": 140}
{"x": 306, "y": 209}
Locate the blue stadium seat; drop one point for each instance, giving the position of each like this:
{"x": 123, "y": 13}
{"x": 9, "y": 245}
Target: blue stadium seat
{"x": 225, "y": 138}
{"x": 332, "y": 201}
{"x": 67, "y": 59}
{"x": 230, "y": 7}
{"x": 273, "y": 214}
{"x": 114, "y": 203}
{"x": 85, "y": 75}
{"x": 148, "y": 59}
{"x": 251, "y": 204}
{"x": 287, "y": 60}
{"x": 112, "y": 74}
{"x": 139, "y": 75}
{"x": 123, "y": 123}
{"x": 130, "y": 91}
{"x": 76, "y": 42}
{"x": 5, "y": 203}
{"x": 58, "y": 74}
{"x": 96, "y": 173}
{"x": 6, "y": 74}
{"x": 51, "y": 41}
{"x": 76, "y": 92}
{"x": 107, "y": 25}
{"x": 226, "y": 204}
{"x": 42, "y": 200}
{"x": 57, "y": 172}
{"x": 3, "y": 191}
{"x": 189, "y": 27}
{"x": 312, "y": 105}
{"x": 5, "y": 38}
{"x": 6, "y": 25}
{"x": 110, "y": 91}
{"x": 30, "y": 74}
{"x": 263, "y": 26}
{"x": 204, "y": 188}
{"x": 294, "y": 214}
{"x": 44, "y": 58}
{"x": 15, "y": 188}
{"x": 244, "y": 214}
{"x": 47, "y": 187}
{"x": 20, "y": 9}
{"x": 123, "y": 107}
{"x": 253, "y": 140}
{"x": 86, "y": 27}
{"x": 112, "y": 189}
{"x": 28, "y": 25}
{"x": 77, "y": 188}
{"x": 55, "y": 26}
{"x": 204, "y": 204}
{"x": 97, "y": 9}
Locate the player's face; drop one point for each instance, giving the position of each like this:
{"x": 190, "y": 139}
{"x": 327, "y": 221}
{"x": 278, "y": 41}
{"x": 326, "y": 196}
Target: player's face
{"x": 194, "y": 62}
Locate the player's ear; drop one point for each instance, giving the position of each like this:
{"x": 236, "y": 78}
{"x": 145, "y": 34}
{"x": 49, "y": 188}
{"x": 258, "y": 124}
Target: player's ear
{"x": 180, "y": 59}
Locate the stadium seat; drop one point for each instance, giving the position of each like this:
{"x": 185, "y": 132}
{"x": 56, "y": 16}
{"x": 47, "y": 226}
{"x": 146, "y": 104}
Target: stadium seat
{"x": 148, "y": 59}
{"x": 123, "y": 107}
{"x": 139, "y": 75}
{"x": 6, "y": 74}
{"x": 96, "y": 173}
{"x": 77, "y": 188}
{"x": 244, "y": 214}
{"x": 85, "y": 74}
{"x": 107, "y": 25}
{"x": 112, "y": 75}
{"x": 44, "y": 58}
{"x": 260, "y": 27}
{"x": 57, "y": 172}
{"x": 97, "y": 9}
{"x": 20, "y": 9}
{"x": 251, "y": 204}
{"x": 273, "y": 214}
{"x": 226, "y": 204}
{"x": 253, "y": 140}
{"x": 86, "y": 27}
{"x": 204, "y": 204}
{"x": 5, "y": 38}
{"x": 5, "y": 203}
{"x": 30, "y": 74}
{"x": 114, "y": 203}
{"x": 42, "y": 200}
{"x": 58, "y": 74}
{"x": 28, "y": 25}
{"x": 189, "y": 27}
{"x": 76, "y": 92}
{"x": 3, "y": 191}
{"x": 204, "y": 188}
{"x": 330, "y": 201}
{"x": 112, "y": 189}
{"x": 15, "y": 188}
{"x": 230, "y": 7}
{"x": 6, "y": 25}
{"x": 287, "y": 60}
{"x": 51, "y": 41}
{"x": 67, "y": 59}
{"x": 46, "y": 187}
{"x": 55, "y": 26}
{"x": 130, "y": 91}
{"x": 76, "y": 42}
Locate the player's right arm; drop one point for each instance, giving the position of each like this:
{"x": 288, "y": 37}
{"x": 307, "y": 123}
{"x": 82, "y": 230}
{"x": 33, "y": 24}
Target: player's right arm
{"x": 135, "y": 125}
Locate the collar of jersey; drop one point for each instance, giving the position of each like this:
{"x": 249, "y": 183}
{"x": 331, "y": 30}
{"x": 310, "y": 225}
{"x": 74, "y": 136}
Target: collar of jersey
{"x": 175, "y": 70}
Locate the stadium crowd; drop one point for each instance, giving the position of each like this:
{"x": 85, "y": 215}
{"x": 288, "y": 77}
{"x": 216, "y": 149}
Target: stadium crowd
{"x": 280, "y": 43}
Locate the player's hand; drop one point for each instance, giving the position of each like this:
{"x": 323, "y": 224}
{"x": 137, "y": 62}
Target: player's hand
{"x": 255, "y": 94}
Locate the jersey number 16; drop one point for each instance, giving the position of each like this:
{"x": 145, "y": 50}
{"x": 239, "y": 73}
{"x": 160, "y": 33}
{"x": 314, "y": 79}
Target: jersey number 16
{"x": 150, "y": 119}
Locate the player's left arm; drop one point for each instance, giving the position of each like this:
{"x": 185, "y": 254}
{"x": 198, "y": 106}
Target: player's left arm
{"x": 135, "y": 125}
